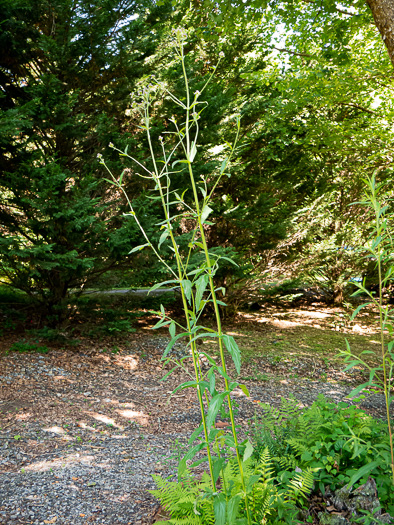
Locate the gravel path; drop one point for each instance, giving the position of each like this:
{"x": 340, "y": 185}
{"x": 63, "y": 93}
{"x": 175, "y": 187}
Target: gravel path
{"x": 81, "y": 435}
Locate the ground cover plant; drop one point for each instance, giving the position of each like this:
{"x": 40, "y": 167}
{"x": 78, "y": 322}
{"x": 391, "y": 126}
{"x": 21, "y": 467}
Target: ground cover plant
{"x": 380, "y": 249}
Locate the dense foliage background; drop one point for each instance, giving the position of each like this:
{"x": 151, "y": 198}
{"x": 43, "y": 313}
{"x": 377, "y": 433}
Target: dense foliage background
{"x": 311, "y": 81}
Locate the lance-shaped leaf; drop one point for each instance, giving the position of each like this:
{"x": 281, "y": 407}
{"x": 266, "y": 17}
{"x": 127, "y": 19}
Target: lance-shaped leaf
{"x": 233, "y": 350}
{"x": 363, "y": 471}
{"x": 172, "y": 329}
{"x": 219, "y": 509}
{"x": 201, "y": 285}
{"x": 214, "y": 407}
{"x": 159, "y": 285}
{"x": 248, "y": 451}
{"x": 172, "y": 342}
{"x": 187, "y": 288}
{"x": 217, "y": 467}
{"x": 182, "y": 467}
{"x": 232, "y": 509}
{"x": 205, "y": 212}
{"x": 193, "y": 152}
{"x": 163, "y": 237}
{"x": 139, "y": 248}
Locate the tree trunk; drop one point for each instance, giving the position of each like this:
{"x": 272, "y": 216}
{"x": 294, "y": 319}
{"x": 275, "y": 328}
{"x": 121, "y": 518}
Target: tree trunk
{"x": 383, "y": 14}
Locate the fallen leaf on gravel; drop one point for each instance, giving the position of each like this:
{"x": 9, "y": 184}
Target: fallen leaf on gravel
{"x": 221, "y": 424}
{"x": 51, "y": 521}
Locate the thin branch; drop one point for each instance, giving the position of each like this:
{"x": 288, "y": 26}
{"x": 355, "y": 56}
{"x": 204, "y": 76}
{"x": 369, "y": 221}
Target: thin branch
{"x": 284, "y": 50}
{"x": 361, "y": 108}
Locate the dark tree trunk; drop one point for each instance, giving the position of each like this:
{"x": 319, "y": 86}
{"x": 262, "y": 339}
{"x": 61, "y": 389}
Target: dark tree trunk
{"x": 383, "y": 14}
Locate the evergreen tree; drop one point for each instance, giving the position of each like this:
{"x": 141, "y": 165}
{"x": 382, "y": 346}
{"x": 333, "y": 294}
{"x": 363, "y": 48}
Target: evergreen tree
{"x": 66, "y": 72}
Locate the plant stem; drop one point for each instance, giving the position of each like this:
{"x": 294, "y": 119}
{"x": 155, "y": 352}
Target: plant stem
{"x": 386, "y": 386}
{"x": 212, "y": 287}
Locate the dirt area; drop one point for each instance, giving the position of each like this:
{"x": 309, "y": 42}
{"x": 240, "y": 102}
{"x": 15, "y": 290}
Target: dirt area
{"x": 83, "y": 428}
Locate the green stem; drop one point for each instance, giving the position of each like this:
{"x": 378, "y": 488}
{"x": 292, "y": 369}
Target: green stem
{"x": 212, "y": 288}
{"x": 180, "y": 268}
{"x": 386, "y": 386}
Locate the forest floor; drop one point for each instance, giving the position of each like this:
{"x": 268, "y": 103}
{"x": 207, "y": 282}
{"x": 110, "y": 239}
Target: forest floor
{"x": 83, "y": 428}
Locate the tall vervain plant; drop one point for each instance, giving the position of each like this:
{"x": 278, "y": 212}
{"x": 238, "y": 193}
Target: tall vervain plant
{"x": 197, "y": 286}
{"x": 380, "y": 247}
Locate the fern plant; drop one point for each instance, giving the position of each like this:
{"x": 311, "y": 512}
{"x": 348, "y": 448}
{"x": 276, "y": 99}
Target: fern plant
{"x": 270, "y": 501}
{"x": 341, "y": 444}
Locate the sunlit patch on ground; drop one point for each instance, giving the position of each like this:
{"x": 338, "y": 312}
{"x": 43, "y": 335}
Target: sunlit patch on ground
{"x": 128, "y": 362}
{"x": 104, "y": 419}
{"x": 133, "y": 415}
{"x": 55, "y": 430}
{"x": 64, "y": 461}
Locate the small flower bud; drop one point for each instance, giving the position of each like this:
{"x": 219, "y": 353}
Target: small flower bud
{"x": 221, "y": 54}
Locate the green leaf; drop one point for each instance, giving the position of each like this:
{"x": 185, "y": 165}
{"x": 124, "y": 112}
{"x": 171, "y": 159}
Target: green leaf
{"x": 232, "y": 509}
{"x": 233, "y": 350}
{"x": 212, "y": 384}
{"x": 169, "y": 373}
{"x": 187, "y": 288}
{"x": 248, "y": 451}
{"x": 244, "y": 389}
{"x": 205, "y": 212}
{"x": 223, "y": 166}
{"x": 193, "y": 152}
{"x": 357, "y": 310}
{"x": 163, "y": 237}
{"x": 229, "y": 260}
{"x": 195, "y": 434}
{"x": 172, "y": 329}
{"x": 251, "y": 482}
{"x": 139, "y": 248}
{"x": 217, "y": 467}
{"x": 201, "y": 285}
{"x": 159, "y": 285}
{"x": 357, "y": 390}
{"x": 172, "y": 342}
{"x": 183, "y": 386}
{"x": 219, "y": 508}
{"x": 363, "y": 471}
{"x": 214, "y": 407}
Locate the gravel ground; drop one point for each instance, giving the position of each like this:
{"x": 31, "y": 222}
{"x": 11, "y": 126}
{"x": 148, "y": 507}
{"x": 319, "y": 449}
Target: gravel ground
{"x": 67, "y": 453}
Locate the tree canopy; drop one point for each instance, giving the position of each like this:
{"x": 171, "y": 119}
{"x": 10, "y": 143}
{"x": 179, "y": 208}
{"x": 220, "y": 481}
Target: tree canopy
{"x": 312, "y": 82}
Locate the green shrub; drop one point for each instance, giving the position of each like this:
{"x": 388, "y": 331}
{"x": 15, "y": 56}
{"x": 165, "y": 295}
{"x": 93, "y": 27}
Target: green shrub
{"x": 28, "y": 346}
{"x": 341, "y": 444}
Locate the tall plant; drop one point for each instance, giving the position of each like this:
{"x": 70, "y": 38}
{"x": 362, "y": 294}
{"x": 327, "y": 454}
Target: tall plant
{"x": 197, "y": 285}
{"x": 380, "y": 249}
